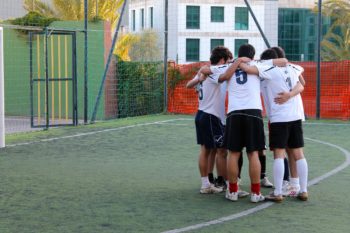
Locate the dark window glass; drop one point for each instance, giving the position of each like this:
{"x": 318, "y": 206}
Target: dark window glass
{"x": 192, "y": 49}
{"x": 192, "y": 17}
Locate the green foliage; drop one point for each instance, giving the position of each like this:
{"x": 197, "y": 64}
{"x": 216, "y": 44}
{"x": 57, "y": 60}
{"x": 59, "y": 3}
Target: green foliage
{"x": 74, "y": 10}
{"x": 140, "y": 88}
{"x": 33, "y": 19}
{"x": 146, "y": 48}
{"x": 336, "y": 43}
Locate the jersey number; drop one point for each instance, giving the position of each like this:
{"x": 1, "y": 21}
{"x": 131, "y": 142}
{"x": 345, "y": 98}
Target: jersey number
{"x": 241, "y": 77}
{"x": 199, "y": 90}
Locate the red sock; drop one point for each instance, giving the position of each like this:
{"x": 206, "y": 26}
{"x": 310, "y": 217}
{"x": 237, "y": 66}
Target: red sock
{"x": 255, "y": 188}
{"x": 233, "y": 187}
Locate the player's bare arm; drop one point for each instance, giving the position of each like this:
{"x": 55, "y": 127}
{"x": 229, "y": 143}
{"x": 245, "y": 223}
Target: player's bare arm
{"x": 205, "y": 70}
{"x": 232, "y": 69}
{"x": 249, "y": 69}
{"x": 197, "y": 79}
{"x": 302, "y": 80}
{"x": 283, "y": 97}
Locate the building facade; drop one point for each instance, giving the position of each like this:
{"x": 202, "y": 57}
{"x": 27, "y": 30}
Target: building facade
{"x": 195, "y": 27}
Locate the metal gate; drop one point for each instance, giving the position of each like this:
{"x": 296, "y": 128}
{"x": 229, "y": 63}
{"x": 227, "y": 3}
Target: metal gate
{"x": 53, "y": 78}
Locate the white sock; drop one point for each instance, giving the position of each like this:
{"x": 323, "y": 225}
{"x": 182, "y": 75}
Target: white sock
{"x": 278, "y": 172}
{"x": 294, "y": 182}
{"x": 205, "y": 182}
{"x": 303, "y": 173}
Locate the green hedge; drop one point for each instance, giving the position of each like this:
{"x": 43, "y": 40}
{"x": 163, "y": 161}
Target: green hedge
{"x": 140, "y": 88}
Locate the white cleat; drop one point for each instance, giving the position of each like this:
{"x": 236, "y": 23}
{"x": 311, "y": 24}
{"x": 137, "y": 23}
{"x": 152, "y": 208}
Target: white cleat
{"x": 266, "y": 183}
{"x": 231, "y": 196}
{"x": 210, "y": 189}
{"x": 255, "y": 198}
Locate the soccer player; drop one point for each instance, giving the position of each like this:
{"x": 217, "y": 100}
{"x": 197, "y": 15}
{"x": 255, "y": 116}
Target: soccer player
{"x": 211, "y": 109}
{"x": 290, "y": 185}
{"x": 244, "y": 124}
{"x": 286, "y": 127}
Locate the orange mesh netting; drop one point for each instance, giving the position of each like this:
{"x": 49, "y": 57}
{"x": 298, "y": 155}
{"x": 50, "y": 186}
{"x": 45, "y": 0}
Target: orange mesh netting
{"x": 334, "y": 98}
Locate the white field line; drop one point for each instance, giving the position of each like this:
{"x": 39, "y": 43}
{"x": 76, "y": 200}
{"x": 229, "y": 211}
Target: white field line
{"x": 93, "y": 132}
{"x": 223, "y": 219}
{"x": 266, "y": 205}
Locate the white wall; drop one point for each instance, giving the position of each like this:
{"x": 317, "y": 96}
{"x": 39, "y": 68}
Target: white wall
{"x": 11, "y": 9}
{"x": 265, "y": 11}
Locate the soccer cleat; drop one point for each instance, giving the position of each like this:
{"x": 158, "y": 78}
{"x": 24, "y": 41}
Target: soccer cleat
{"x": 285, "y": 188}
{"x": 303, "y": 196}
{"x": 231, "y": 196}
{"x": 242, "y": 193}
{"x": 266, "y": 183}
{"x": 220, "y": 184}
{"x": 290, "y": 190}
{"x": 255, "y": 198}
{"x": 210, "y": 189}
{"x": 273, "y": 197}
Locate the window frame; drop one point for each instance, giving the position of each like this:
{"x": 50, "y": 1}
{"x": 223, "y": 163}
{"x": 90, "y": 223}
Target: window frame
{"x": 218, "y": 44}
{"x": 216, "y": 18}
{"x": 192, "y": 56}
{"x": 239, "y": 14}
{"x": 190, "y": 21}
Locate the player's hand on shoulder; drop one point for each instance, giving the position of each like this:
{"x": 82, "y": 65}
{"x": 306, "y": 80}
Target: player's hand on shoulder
{"x": 244, "y": 59}
{"x": 282, "y": 97}
{"x": 205, "y": 70}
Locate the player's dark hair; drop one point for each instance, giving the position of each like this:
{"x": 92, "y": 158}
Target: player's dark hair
{"x": 246, "y": 50}
{"x": 268, "y": 54}
{"x": 218, "y": 53}
{"x": 230, "y": 56}
{"x": 279, "y": 51}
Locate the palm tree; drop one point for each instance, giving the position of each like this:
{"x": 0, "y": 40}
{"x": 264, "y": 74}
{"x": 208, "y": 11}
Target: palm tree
{"x": 336, "y": 42}
{"x": 74, "y": 9}
{"x": 124, "y": 45}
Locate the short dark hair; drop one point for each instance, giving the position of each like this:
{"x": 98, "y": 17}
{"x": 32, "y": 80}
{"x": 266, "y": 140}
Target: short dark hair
{"x": 268, "y": 54}
{"x": 218, "y": 53}
{"x": 279, "y": 51}
{"x": 230, "y": 56}
{"x": 246, "y": 50}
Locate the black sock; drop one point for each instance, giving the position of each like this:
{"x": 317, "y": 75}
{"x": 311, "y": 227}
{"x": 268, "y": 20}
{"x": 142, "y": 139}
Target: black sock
{"x": 286, "y": 170}
{"x": 240, "y": 164}
{"x": 262, "y": 159}
{"x": 211, "y": 178}
{"x": 221, "y": 180}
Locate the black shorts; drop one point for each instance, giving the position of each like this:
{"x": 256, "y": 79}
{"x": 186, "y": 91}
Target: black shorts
{"x": 210, "y": 130}
{"x": 286, "y": 134}
{"x": 245, "y": 128}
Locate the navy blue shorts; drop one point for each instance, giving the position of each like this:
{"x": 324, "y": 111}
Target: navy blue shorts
{"x": 210, "y": 130}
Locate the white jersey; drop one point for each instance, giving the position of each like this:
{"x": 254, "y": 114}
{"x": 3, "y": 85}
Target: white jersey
{"x": 281, "y": 79}
{"x": 217, "y": 71}
{"x": 244, "y": 91}
{"x": 211, "y": 96}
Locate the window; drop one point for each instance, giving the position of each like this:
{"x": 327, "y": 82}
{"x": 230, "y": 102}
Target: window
{"x": 217, "y": 14}
{"x": 238, "y": 43}
{"x": 192, "y": 17}
{"x": 133, "y": 20}
{"x": 151, "y": 16}
{"x": 216, "y": 42}
{"x": 241, "y": 18}
{"x": 192, "y": 49}
{"x": 142, "y": 18}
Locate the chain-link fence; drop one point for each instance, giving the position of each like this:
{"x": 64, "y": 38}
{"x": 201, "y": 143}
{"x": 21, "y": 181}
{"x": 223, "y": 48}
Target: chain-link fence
{"x": 62, "y": 67}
